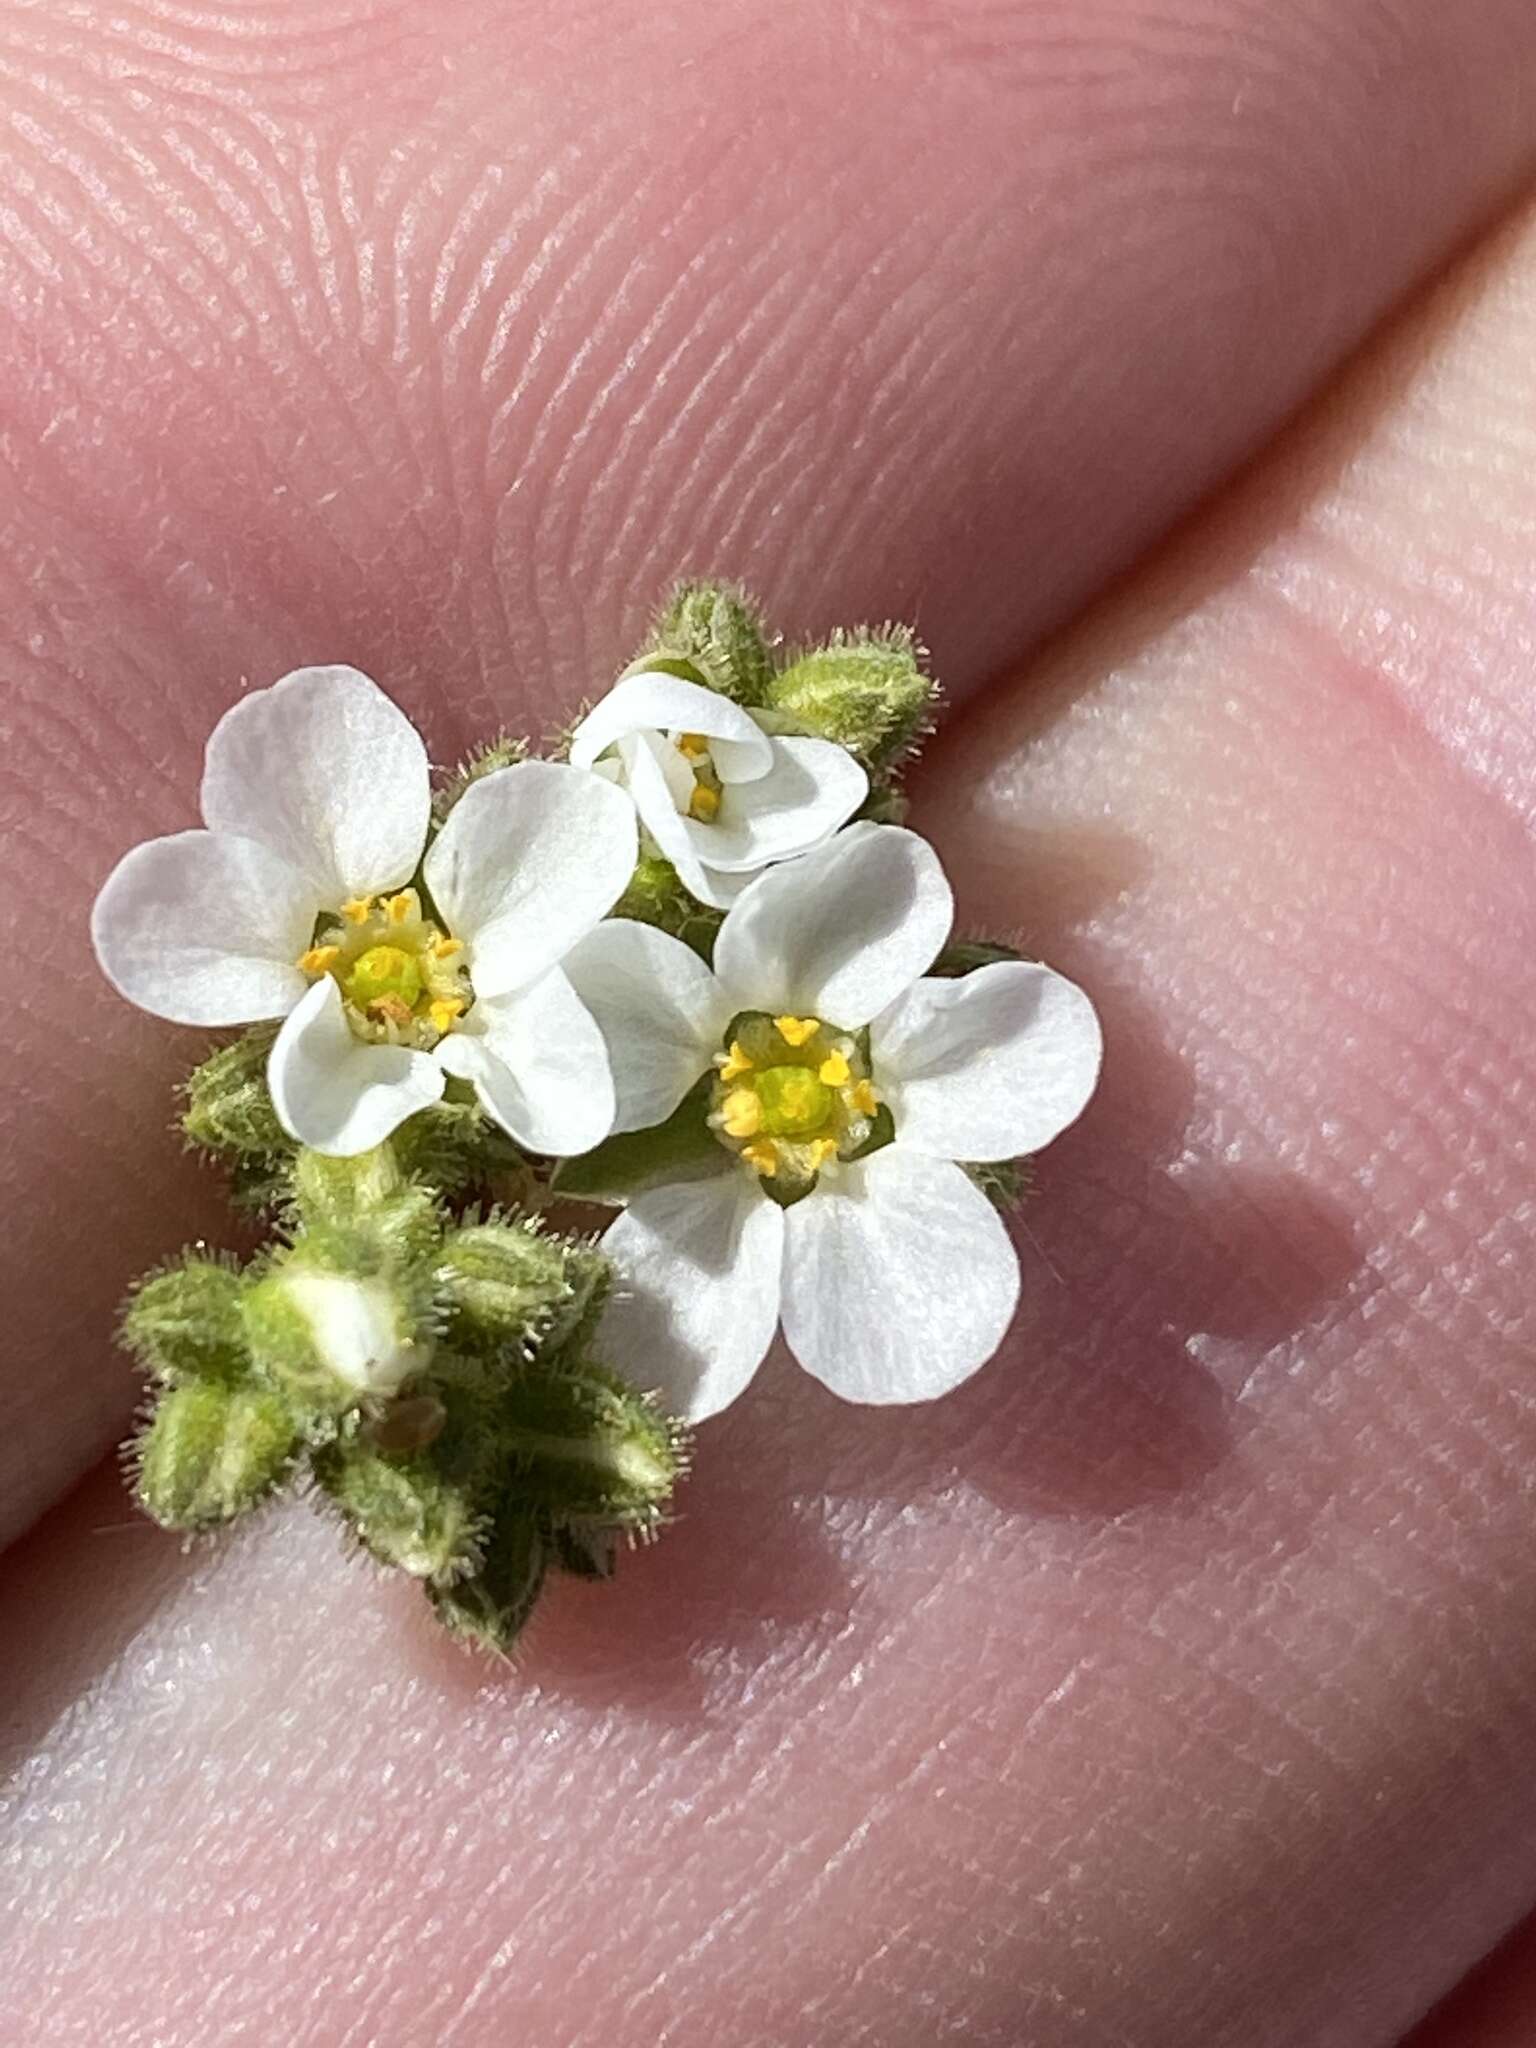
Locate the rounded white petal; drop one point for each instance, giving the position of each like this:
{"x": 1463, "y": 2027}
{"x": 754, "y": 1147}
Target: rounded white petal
{"x": 645, "y": 769}
{"x": 330, "y": 774}
{"x": 529, "y": 859}
{"x": 335, "y": 1093}
{"x": 659, "y": 1009}
{"x": 539, "y": 1065}
{"x": 840, "y": 932}
{"x": 989, "y": 1066}
{"x": 204, "y": 929}
{"x": 653, "y": 701}
{"x": 899, "y": 1279}
{"x": 811, "y": 789}
{"x": 696, "y": 1294}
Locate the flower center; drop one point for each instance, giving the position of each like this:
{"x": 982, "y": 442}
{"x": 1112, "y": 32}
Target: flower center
{"x": 402, "y": 980}
{"x": 792, "y": 1098}
{"x": 703, "y": 800}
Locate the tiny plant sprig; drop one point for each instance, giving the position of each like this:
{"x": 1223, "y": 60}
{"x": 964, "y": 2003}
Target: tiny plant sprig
{"x": 436, "y": 1043}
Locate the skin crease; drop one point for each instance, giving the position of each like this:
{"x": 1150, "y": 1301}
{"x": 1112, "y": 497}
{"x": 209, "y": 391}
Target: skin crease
{"x": 1167, "y": 1685}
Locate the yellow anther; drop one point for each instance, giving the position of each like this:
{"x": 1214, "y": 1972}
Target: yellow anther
{"x": 400, "y": 907}
{"x": 357, "y": 909}
{"x": 736, "y": 1062}
{"x": 693, "y": 746}
{"x": 865, "y": 1097}
{"x": 443, "y": 1010}
{"x": 741, "y": 1114}
{"x": 761, "y": 1157}
{"x": 318, "y": 959}
{"x": 704, "y": 803}
{"x": 796, "y": 1030}
{"x": 834, "y": 1070}
{"x": 444, "y": 949}
{"x": 823, "y": 1152}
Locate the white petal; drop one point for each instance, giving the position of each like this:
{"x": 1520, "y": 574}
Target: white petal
{"x": 529, "y": 859}
{"x": 697, "y": 1293}
{"x": 655, "y": 702}
{"x": 660, "y": 1010}
{"x": 204, "y": 929}
{"x": 677, "y": 836}
{"x": 325, "y": 770}
{"x": 841, "y": 932}
{"x": 899, "y": 1279}
{"x": 539, "y": 1065}
{"x": 989, "y": 1066}
{"x": 335, "y": 1093}
{"x": 811, "y": 789}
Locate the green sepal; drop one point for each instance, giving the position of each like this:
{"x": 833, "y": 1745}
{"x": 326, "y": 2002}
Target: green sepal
{"x": 864, "y": 689}
{"x": 964, "y": 956}
{"x": 1005, "y": 1182}
{"x": 711, "y": 633}
{"x": 655, "y": 895}
{"x": 490, "y": 1607}
{"x": 505, "y": 751}
{"x": 681, "y": 1149}
{"x": 406, "y": 1509}
{"x": 210, "y": 1451}
{"x": 586, "y": 1446}
{"x": 508, "y": 1283}
{"x": 183, "y": 1321}
{"x": 455, "y": 1148}
{"x": 228, "y": 1108}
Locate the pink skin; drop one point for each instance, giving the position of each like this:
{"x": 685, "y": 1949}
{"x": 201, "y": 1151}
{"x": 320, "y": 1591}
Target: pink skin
{"x": 1172, "y": 1683}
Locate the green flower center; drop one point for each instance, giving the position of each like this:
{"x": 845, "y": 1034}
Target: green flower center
{"x": 403, "y": 981}
{"x": 793, "y": 1098}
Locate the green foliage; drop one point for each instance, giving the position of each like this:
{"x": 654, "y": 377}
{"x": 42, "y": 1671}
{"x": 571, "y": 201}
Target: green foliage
{"x": 683, "y": 1148}
{"x": 210, "y": 1452}
{"x": 866, "y": 690}
{"x": 711, "y": 633}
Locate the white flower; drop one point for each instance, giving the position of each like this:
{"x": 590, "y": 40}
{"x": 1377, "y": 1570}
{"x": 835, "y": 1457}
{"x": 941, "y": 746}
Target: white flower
{"x": 892, "y": 1273}
{"x": 295, "y": 903}
{"x": 721, "y": 797}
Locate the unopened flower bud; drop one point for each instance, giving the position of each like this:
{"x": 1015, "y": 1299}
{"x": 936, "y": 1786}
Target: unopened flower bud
{"x": 406, "y": 1510}
{"x": 211, "y": 1451}
{"x": 332, "y": 1338}
{"x": 586, "y": 1445}
{"x": 228, "y": 1107}
{"x": 712, "y": 633}
{"x": 490, "y": 1606}
{"x": 184, "y": 1322}
{"x": 865, "y": 690}
{"x": 512, "y": 1284}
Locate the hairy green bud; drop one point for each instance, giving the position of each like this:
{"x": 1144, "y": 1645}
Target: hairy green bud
{"x": 183, "y": 1322}
{"x": 866, "y": 690}
{"x": 585, "y": 1445}
{"x": 964, "y": 956}
{"x": 711, "y": 633}
{"x": 514, "y": 1284}
{"x": 370, "y": 1195}
{"x": 228, "y": 1109}
{"x": 332, "y": 1328}
{"x": 504, "y": 751}
{"x": 454, "y": 1146}
{"x": 490, "y": 1607}
{"x": 210, "y": 1452}
{"x": 404, "y": 1507}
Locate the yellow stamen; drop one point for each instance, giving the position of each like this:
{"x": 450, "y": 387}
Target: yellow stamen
{"x": 400, "y": 907}
{"x": 443, "y": 1010}
{"x": 796, "y": 1030}
{"x": 704, "y": 803}
{"x": 735, "y": 1063}
{"x": 318, "y": 959}
{"x": 741, "y": 1114}
{"x": 834, "y": 1070}
{"x": 823, "y": 1150}
{"x": 693, "y": 746}
{"x": 444, "y": 949}
{"x": 761, "y": 1157}
{"x": 356, "y": 909}
{"x": 865, "y": 1098}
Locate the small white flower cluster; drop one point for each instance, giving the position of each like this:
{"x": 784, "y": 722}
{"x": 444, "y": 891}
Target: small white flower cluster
{"x": 830, "y": 1086}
